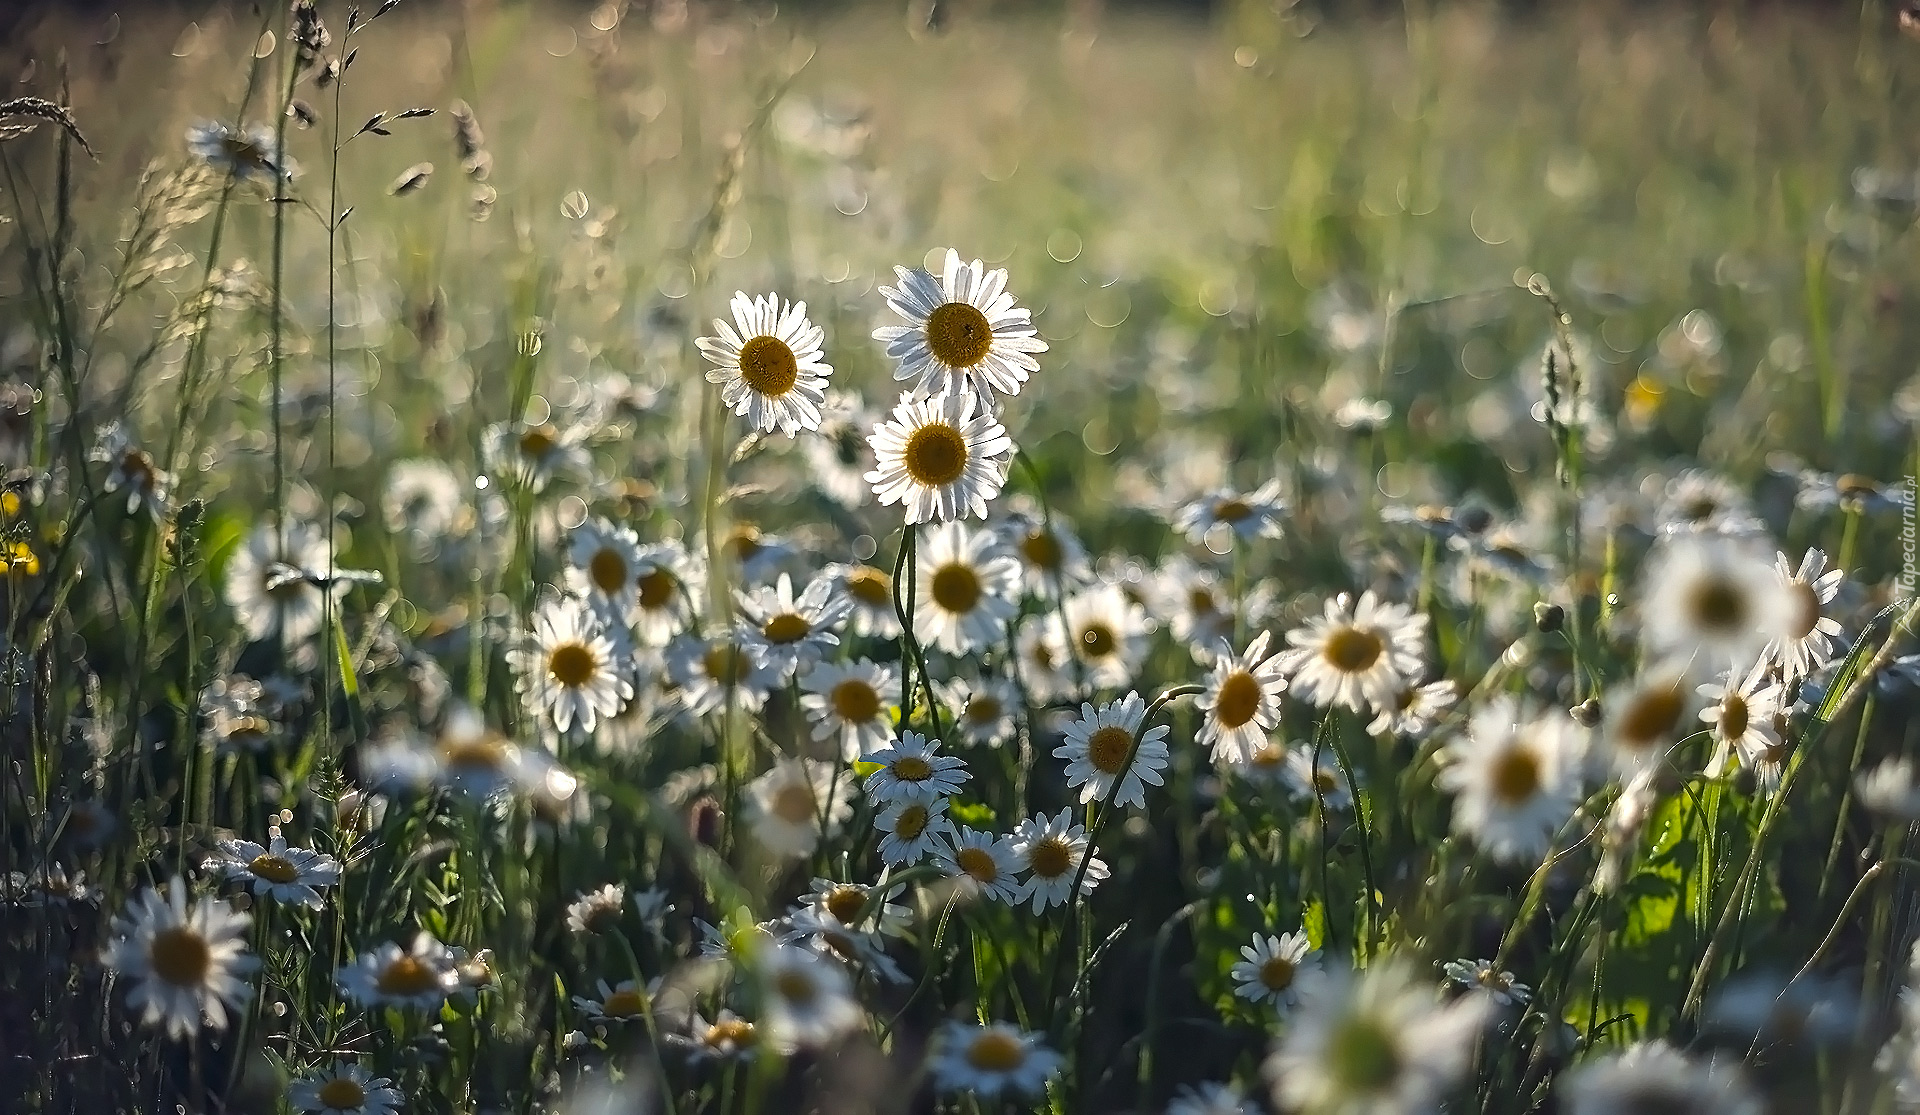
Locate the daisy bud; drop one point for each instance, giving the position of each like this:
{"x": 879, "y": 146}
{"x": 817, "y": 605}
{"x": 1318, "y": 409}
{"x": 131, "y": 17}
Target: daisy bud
{"x": 1549, "y": 617}
{"x": 1586, "y": 713}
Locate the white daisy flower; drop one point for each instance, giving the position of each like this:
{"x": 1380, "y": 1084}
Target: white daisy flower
{"x": 815, "y": 928}
{"x": 51, "y": 885}
{"x": 912, "y": 769}
{"x": 1243, "y": 516}
{"x": 851, "y": 704}
{"x": 185, "y": 961}
{"x": 870, "y": 591}
{"x": 419, "y": 977}
{"x": 533, "y": 454}
{"x": 292, "y": 876}
{"x": 964, "y": 332}
{"x": 1641, "y": 722}
{"x": 941, "y": 458}
{"x": 787, "y": 805}
{"x": 1097, "y": 746}
{"x": 1209, "y": 1099}
{"x": 913, "y": 829}
{"x": 653, "y": 905}
{"x": 1197, "y": 606}
{"x": 1273, "y": 968}
{"x": 1378, "y": 1041}
{"x": 266, "y": 601}
{"x": 966, "y": 589}
{"x": 1742, "y": 717}
{"x": 1052, "y": 848}
{"x": 840, "y": 457}
{"x": 786, "y": 636}
{"x": 344, "y": 1089}
{"x": 626, "y": 1001}
{"x": 982, "y": 864}
{"x": 1514, "y": 780}
{"x": 1483, "y": 977}
{"x": 1356, "y": 654}
{"x": 1417, "y": 709}
{"x": 1764, "y": 1007}
{"x": 568, "y": 668}
{"x": 130, "y": 470}
{"x": 666, "y": 583}
{"x": 1654, "y": 1076}
{"x": 769, "y": 363}
{"x": 466, "y": 757}
{"x": 597, "y": 911}
{"x": 982, "y": 710}
{"x": 1890, "y": 790}
{"x": 715, "y": 674}
{"x": 603, "y": 563}
{"x": 1810, "y": 637}
{"x": 738, "y": 939}
{"x": 1052, "y": 560}
{"x": 424, "y": 501}
{"x": 806, "y": 999}
{"x": 1713, "y": 600}
{"x": 1322, "y": 781}
{"x": 241, "y": 152}
{"x": 1701, "y": 503}
{"x": 1242, "y": 701}
{"x": 1044, "y": 665}
{"x": 725, "y": 1038}
{"x": 858, "y": 904}
{"x": 752, "y": 555}
{"x": 991, "y": 1060}
{"x": 1265, "y": 768}
{"x": 1107, "y": 632}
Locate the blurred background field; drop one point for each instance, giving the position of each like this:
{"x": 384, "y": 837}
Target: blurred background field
{"x": 1206, "y": 212}
{"x": 1305, "y": 241}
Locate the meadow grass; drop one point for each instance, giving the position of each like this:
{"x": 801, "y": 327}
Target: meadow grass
{"x": 1446, "y": 382}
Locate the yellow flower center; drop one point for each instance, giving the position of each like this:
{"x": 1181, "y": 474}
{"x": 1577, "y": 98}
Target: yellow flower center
{"x": 657, "y": 587}
{"x": 341, "y": 1094}
{"x": 912, "y": 768}
{"x": 870, "y": 586}
{"x": 1239, "y": 699}
{"x": 1097, "y": 640}
{"x": 245, "y": 153}
{"x": 137, "y": 467}
{"x": 729, "y": 1031}
{"x": 935, "y": 455}
{"x": 726, "y": 664}
{"x": 1806, "y": 609}
{"x": 1277, "y": 973}
{"x": 854, "y": 701}
{"x": 743, "y": 543}
{"x": 846, "y": 903}
{"x": 1269, "y": 756}
{"x": 978, "y": 863}
{"x": 1107, "y": 749}
{"x": 538, "y": 441}
{"x": 1651, "y": 717}
{"x": 959, "y": 335}
{"x": 486, "y": 751}
{"x": 272, "y": 868}
{"x": 1050, "y": 858}
{"x": 997, "y": 1052}
{"x": 1041, "y": 549}
{"x": 608, "y": 570}
{"x": 795, "y": 987}
{"x": 1720, "y": 606}
{"x": 983, "y": 708}
{"x": 1353, "y": 650}
{"x": 793, "y": 803}
{"x": 1515, "y": 776}
{"x": 788, "y": 627}
{"x": 572, "y": 664}
{"x": 1200, "y": 601}
{"x": 768, "y": 366}
{"x": 911, "y": 822}
{"x": 1734, "y": 716}
{"x": 180, "y": 957}
{"x": 408, "y": 976}
{"x": 628, "y": 1002}
{"x": 956, "y": 588}
{"x": 1363, "y": 1057}
{"x": 1325, "y": 782}
{"x": 1231, "y": 510}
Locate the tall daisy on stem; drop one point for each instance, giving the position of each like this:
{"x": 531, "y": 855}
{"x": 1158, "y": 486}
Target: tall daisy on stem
{"x": 942, "y": 458}
{"x": 769, "y": 364}
{"x": 964, "y": 332}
